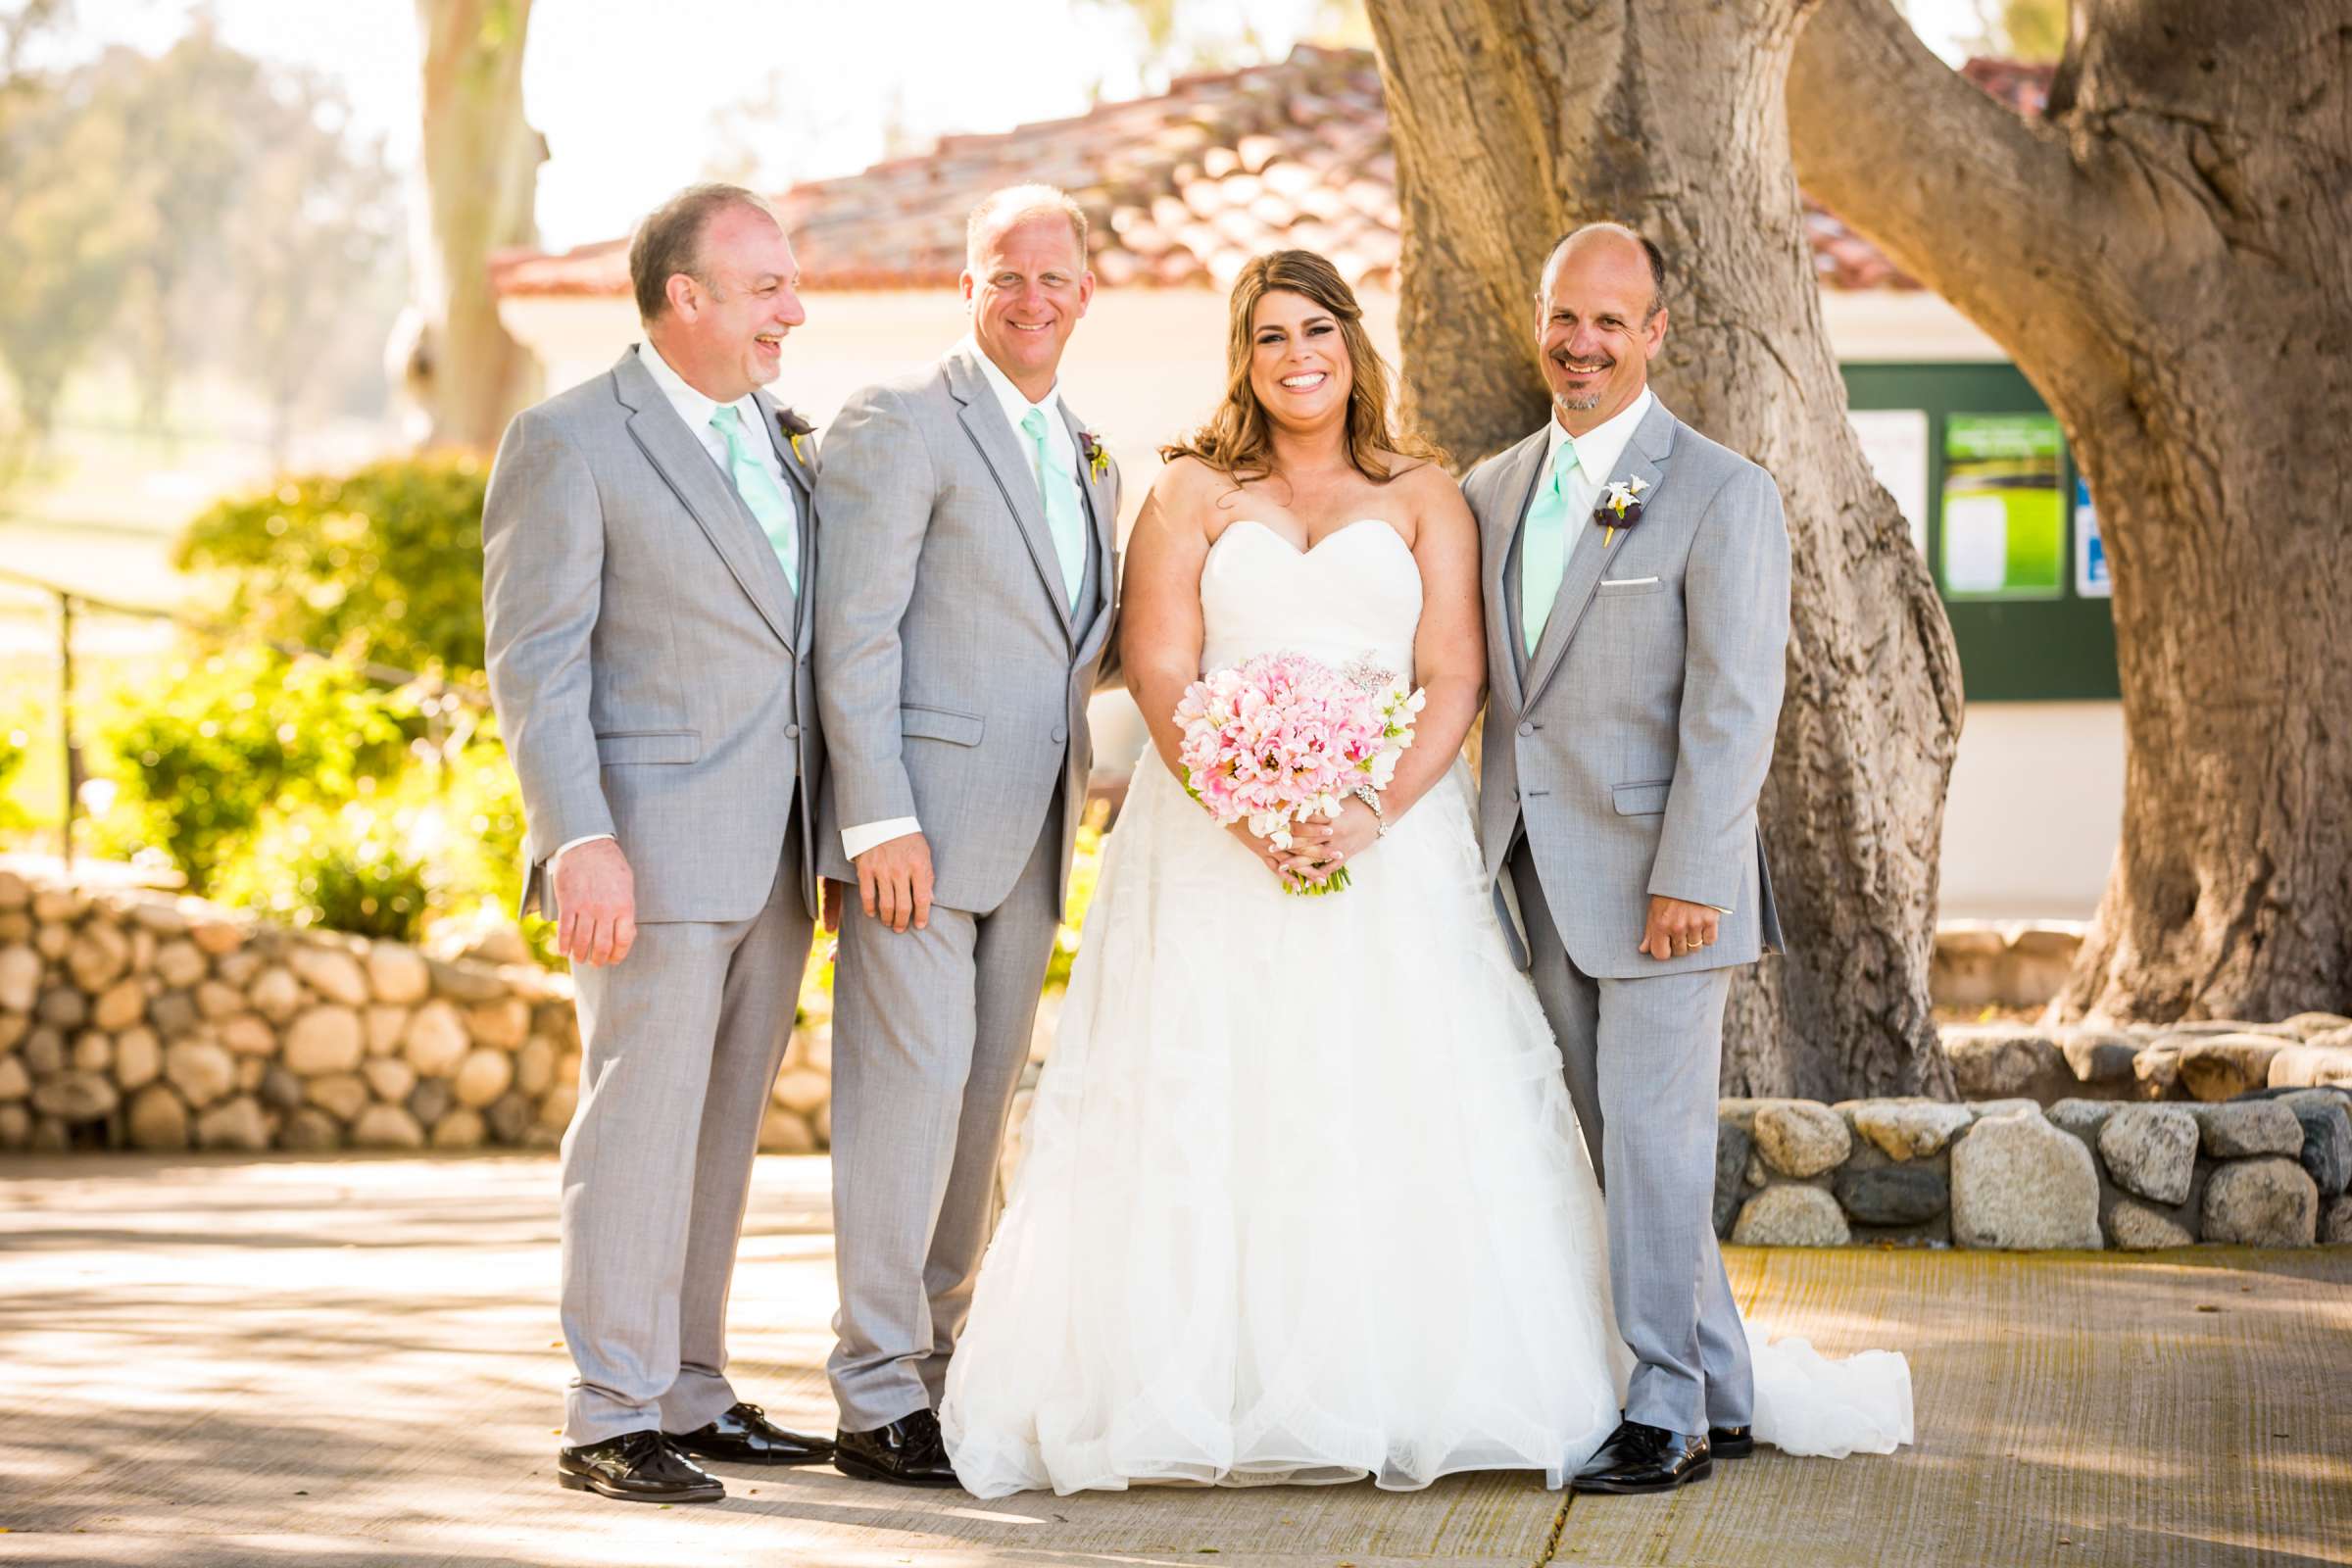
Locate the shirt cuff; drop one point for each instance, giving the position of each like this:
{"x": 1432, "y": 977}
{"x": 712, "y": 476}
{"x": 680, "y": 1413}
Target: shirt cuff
{"x": 856, "y": 841}
{"x": 562, "y": 849}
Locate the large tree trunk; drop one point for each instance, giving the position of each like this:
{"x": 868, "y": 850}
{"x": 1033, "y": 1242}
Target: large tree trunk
{"x": 2166, "y": 259}
{"x": 482, "y": 171}
{"x": 1515, "y": 120}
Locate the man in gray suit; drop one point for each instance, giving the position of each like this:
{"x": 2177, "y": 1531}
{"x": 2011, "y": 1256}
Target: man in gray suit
{"x": 969, "y": 602}
{"x": 648, "y": 570}
{"x": 1637, "y": 592}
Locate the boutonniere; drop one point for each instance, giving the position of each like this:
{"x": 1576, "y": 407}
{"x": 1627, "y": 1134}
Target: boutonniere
{"x": 794, "y": 428}
{"x": 1096, "y": 454}
{"x": 1620, "y": 507}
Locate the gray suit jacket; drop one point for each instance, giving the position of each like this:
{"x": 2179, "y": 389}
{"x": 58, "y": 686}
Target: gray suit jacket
{"x": 953, "y": 676}
{"x": 1629, "y": 751}
{"x": 649, "y": 660}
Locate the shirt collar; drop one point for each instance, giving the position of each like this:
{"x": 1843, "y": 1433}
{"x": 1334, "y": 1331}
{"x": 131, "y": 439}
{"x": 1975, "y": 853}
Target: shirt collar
{"x": 692, "y": 406}
{"x": 1016, "y": 402}
{"x": 1598, "y": 448}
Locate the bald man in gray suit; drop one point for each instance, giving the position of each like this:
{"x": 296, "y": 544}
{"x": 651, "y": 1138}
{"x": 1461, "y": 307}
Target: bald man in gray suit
{"x": 1637, "y": 592}
{"x": 648, "y": 568}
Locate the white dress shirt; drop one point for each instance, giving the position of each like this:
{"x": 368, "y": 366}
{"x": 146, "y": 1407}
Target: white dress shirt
{"x": 696, "y": 410}
{"x": 1061, "y": 463}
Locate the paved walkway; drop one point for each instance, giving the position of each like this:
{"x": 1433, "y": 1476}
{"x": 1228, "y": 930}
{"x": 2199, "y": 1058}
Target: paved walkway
{"x": 216, "y": 1362}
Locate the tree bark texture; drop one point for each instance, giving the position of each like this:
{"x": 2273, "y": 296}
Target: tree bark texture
{"x": 2166, "y": 257}
{"x": 1515, "y": 120}
{"x": 482, "y": 170}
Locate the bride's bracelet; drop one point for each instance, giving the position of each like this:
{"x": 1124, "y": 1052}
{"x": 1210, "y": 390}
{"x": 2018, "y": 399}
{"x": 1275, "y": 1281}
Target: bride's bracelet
{"x": 1371, "y": 797}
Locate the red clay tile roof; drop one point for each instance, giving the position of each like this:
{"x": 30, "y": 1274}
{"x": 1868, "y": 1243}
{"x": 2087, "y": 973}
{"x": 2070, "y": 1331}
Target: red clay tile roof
{"x": 1181, "y": 189}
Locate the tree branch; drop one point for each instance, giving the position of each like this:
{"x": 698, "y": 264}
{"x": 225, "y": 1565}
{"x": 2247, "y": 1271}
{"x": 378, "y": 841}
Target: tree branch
{"x": 1961, "y": 192}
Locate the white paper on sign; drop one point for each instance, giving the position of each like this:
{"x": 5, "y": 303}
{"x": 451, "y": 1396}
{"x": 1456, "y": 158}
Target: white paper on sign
{"x": 1976, "y": 544}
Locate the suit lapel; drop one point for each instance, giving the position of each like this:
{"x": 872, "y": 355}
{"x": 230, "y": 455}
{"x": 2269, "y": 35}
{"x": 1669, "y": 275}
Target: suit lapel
{"x": 1102, "y": 516}
{"x": 1521, "y": 466}
{"x": 1644, "y": 460}
{"x": 984, "y": 421}
{"x": 802, "y": 479}
{"x": 679, "y": 457}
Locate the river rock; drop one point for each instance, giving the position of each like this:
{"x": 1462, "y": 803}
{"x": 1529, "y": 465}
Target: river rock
{"x": 216, "y": 938}
{"x": 14, "y": 1082}
{"x": 2158, "y": 1069}
{"x": 138, "y": 1059}
{"x": 1791, "y": 1214}
{"x": 430, "y": 1101}
{"x": 2327, "y": 1151}
{"x": 783, "y": 1133}
{"x": 1798, "y": 1138}
{"x": 2227, "y": 1065}
{"x": 1900, "y": 1195}
{"x": 341, "y": 1094}
{"x": 563, "y": 1099}
{"x": 15, "y": 1127}
{"x": 15, "y": 892}
{"x": 180, "y": 964}
{"x": 62, "y": 1008}
{"x": 274, "y": 993}
{"x": 461, "y": 1129}
{"x": 310, "y": 1131}
{"x": 389, "y": 1077}
{"x": 2248, "y": 1127}
{"x": 331, "y": 972}
{"x": 500, "y": 1025}
{"x": 325, "y": 1039}
{"x": 386, "y": 1127}
{"x": 93, "y": 1051}
{"x": 2082, "y": 1117}
{"x": 2307, "y": 1025}
{"x": 2335, "y": 1223}
{"x": 508, "y": 1117}
{"x": 157, "y": 1119}
{"x": 1910, "y": 1129}
{"x": 119, "y": 1005}
{"x": 1993, "y": 1060}
{"x": 2137, "y": 1228}
{"x": 801, "y": 1091}
{"x": 20, "y": 978}
{"x": 2261, "y": 1203}
{"x": 535, "y": 1066}
{"x": 236, "y": 1124}
{"x": 2320, "y": 1063}
{"x": 43, "y": 1051}
{"x": 76, "y": 1096}
{"x": 248, "y": 1034}
{"x": 2020, "y": 1184}
{"x": 98, "y": 957}
{"x": 200, "y": 1070}
{"x": 279, "y": 1089}
{"x": 2097, "y": 1055}
{"x": 2151, "y": 1151}
{"x": 387, "y": 1026}
{"x": 482, "y": 1077}
{"x": 397, "y": 974}
{"x": 436, "y": 1039}
{"x": 465, "y": 983}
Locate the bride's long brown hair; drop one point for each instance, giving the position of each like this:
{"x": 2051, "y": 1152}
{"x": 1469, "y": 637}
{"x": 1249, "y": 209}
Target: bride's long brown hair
{"x": 1238, "y": 440}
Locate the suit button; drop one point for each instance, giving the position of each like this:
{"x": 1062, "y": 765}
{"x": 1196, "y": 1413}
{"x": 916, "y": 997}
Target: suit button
{"x": 1059, "y": 735}
{"x": 1527, "y": 729}
{"x": 792, "y": 732}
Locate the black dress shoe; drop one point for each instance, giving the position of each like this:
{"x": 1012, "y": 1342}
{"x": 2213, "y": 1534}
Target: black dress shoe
{"x": 636, "y": 1467}
{"x": 745, "y": 1435}
{"x": 1730, "y": 1442}
{"x": 908, "y": 1451}
{"x": 1639, "y": 1457}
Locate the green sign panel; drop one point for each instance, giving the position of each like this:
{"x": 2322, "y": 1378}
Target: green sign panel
{"x": 2005, "y": 507}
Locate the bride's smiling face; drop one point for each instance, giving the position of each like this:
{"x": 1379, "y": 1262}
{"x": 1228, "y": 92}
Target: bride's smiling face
{"x": 1299, "y": 364}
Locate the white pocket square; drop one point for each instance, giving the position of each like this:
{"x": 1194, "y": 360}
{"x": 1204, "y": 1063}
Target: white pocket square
{"x": 1627, "y": 582}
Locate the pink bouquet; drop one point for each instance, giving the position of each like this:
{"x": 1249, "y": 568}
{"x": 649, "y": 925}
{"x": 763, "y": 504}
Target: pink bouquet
{"x": 1283, "y": 737}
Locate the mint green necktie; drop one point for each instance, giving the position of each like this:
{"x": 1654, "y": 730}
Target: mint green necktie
{"x": 761, "y": 493}
{"x": 1544, "y": 547}
{"x": 1061, "y": 508}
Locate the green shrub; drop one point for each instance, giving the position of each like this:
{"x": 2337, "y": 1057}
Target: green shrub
{"x": 12, "y": 743}
{"x": 229, "y": 739}
{"x": 351, "y": 869}
{"x": 381, "y": 564}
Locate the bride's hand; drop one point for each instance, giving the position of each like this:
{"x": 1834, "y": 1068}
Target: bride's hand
{"x": 1331, "y": 845}
{"x": 1286, "y": 864}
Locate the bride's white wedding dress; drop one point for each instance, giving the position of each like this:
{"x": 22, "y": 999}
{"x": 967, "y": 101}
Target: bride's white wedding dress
{"x": 1306, "y": 1199}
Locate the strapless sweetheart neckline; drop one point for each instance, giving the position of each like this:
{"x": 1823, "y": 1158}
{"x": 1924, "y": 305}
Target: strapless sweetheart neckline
{"x": 1342, "y": 529}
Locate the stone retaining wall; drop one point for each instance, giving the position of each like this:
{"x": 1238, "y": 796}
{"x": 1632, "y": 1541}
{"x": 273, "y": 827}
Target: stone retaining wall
{"x": 2270, "y": 1172}
{"x": 2210, "y": 1061}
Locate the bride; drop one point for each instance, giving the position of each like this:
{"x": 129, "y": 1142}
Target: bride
{"x": 1305, "y": 1199}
